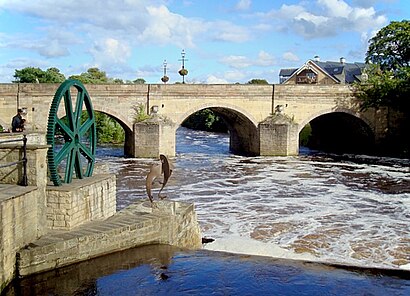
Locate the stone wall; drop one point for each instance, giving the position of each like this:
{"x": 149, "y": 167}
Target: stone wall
{"x": 73, "y": 204}
{"x": 19, "y": 225}
{"x": 167, "y": 222}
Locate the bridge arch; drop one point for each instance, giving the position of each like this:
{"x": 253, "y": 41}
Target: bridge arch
{"x": 242, "y": 127}
{"x": 128, "y": 131}
{"x": 341, "y": 131}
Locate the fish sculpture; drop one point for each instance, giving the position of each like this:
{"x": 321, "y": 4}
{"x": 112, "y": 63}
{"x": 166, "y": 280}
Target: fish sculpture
{"x": 156, "y": 170}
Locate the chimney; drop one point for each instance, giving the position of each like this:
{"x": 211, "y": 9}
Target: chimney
{"x": 316, "y": 58}
{"x": 342, "y": 60}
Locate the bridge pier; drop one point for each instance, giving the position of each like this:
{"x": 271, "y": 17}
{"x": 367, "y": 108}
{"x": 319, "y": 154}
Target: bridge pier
{"x": 153, "y": 137}
{"x": 278, "y": 136}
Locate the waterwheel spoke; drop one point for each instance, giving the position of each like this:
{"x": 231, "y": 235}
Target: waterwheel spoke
{"x": 68, "y": 146}
{"x": 69, "y": 167}
{"x": 86, "y": 152}
{"x": 78, "y": 108}
{"x": 85, "y": 127}
{"x": 67, "y": 132}
{"x": 69, "y": 109}
{"x": 78, "y": 166}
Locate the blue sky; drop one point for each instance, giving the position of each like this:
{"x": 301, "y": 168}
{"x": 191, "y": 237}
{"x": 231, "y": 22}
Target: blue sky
{"x": 225, "y": 41}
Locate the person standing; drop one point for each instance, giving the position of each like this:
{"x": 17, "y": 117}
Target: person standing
{"x": 17, "y": 123}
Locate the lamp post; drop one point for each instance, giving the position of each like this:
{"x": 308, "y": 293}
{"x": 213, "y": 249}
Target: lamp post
{"x": 183, "y": 71}
{"x": 165, "y": 78}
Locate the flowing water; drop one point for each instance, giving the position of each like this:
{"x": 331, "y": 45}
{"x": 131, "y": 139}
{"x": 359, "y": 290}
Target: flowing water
{"x": 305, "y": 207}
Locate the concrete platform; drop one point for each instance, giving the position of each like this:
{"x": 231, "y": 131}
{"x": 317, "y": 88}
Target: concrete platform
{"x": 166, "y": 222}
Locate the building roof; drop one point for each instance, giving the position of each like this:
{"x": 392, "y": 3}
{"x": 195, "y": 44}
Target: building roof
{"x": 352, "y": 71}
{"x": 340, "y": 72}
{"x": 287, "y": 72}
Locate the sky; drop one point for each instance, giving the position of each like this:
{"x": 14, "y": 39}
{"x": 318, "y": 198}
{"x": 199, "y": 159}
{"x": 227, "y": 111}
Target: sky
{"x": 230, "y": 41}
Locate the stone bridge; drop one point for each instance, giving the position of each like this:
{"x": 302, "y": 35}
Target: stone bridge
{"x": 262, "y": 119}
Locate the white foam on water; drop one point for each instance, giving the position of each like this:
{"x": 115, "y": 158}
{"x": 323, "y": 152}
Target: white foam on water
{"x": 288, "y": 207}
{"x": 243, "y": 245}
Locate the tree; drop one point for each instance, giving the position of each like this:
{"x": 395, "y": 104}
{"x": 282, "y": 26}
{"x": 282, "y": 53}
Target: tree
{"x": 92, "y": 76}
{"x": 257, "y": 81}
{"x": 116, "y": 80}
{"x": 205, "y": 120}
{"x": 139, "y": 81}
{"x": 386, "y": 89}
{"x": 388, "y": 83}
{"x": 36, "y": 75}
{"x": 390, "y": 48}
{"x": 53, "y": 75}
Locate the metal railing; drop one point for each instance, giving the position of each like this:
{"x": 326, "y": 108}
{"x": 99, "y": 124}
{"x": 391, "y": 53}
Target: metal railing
{"x": 24, "y": 181}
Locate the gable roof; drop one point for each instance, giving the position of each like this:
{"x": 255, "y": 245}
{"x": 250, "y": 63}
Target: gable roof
{"x": 337, "y": 71}
{"x": 287, "y": 72}
{"x": 352, "y": 71}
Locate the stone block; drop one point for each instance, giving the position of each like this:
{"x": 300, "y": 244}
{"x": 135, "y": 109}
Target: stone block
{"x": 89, "y": 199}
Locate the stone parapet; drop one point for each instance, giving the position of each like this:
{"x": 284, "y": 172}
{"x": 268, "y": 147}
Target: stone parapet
{"x": 36, "y": 159}
{"x": 81, "y": 201}
{"x": 167, "y": 222}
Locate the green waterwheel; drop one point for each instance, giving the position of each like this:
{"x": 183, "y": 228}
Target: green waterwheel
{"x": 72, "y": 136}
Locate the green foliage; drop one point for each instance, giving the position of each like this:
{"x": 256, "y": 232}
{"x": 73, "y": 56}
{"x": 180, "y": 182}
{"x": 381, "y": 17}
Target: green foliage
{"x": 386, "y": 88}
{"x": 140, "y": 113}
{"x": 33, "y": 75}
{"x": 305, "y": 135}
{"x": 389, "y": 79}
{"x": 108, "y": 129}
{"x": 139, "y": 81}
{"x": 205, "y": 120}
{"x": 390, "y": 48}
{"x": 115, "y": 81}
{"x": 257, "y": 81}
{"x": 92, "y": 76}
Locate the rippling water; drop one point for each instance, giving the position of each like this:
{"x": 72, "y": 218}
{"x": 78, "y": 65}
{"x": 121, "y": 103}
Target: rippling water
{"x": 165, "y": 270}
{"x": 308, "y": 206}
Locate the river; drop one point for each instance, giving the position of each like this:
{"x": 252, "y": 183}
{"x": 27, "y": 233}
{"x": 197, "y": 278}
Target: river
{"x": 309, "y": 206}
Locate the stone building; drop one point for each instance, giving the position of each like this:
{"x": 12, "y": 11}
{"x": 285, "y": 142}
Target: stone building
{"x": 317, "y": 72}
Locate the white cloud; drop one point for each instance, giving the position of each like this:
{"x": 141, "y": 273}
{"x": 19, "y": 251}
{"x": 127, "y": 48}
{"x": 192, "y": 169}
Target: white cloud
{"x": 226, "y": 31}
{"x": 235, "y": 76}
{"x": 211, "y": 79}
{"x": 243, "y": 4}
{"x": 336, "y": 8}
{"x": 290, "y": 56}
{"x": 263, "y": 59}
{"x": 165, "y": 27}
{"x": 52, "y": 49}
{"x": 237, "y": 62}
{"x": 325, "y": 18}
{"x": 110, "y": 51}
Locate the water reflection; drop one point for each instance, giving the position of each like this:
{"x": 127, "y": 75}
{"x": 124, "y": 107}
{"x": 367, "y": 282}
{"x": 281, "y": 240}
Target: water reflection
{"x": 166, "y": 270}
{"x": 312, "y": 205}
